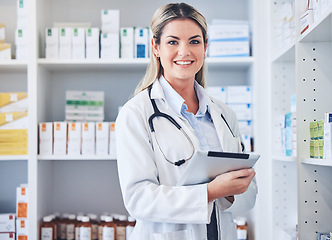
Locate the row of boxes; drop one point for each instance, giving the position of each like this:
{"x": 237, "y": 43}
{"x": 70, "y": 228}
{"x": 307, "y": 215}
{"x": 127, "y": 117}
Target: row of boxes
{"x": 76, "y": 138}
{"x": 5, "y": 48}
{"x": 228, "y": 39}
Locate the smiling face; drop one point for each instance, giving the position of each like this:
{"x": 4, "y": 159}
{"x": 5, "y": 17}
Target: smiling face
{"x": 181, "y": 50}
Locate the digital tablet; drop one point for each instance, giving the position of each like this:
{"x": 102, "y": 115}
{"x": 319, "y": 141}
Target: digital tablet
{"x": 206, "y": 165}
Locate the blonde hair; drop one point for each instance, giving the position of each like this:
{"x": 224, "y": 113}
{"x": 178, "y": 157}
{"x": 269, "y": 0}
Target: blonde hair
{"x": 162, "y": 16}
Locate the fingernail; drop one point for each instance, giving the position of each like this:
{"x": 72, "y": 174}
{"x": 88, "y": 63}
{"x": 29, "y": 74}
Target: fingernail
{"x": 250, "y": 169}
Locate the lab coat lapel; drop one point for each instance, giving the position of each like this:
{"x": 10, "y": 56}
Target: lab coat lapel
{"x": 224, "y": 134}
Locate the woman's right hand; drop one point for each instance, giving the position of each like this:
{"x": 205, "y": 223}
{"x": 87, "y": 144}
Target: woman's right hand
{"x": 230, "y": 183}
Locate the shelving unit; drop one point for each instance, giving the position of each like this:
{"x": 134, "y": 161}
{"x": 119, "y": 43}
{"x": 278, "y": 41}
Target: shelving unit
{"x": 90, "y": 184}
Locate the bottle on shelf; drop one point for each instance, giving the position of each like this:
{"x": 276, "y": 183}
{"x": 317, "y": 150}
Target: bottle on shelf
{"x": 77, "y": 226}
{"x": 85, "y": 229}
{"x": 100, "y": 227}
{"x": 121, "y": 226}
{"x": 48, "y": 229}
{"x": 70, "y": 227}
{"x": 94, "y": 222}
{"x": 242, "y": 228}
{"x": 130, "y": 226}
{"x": 108, "y": 229}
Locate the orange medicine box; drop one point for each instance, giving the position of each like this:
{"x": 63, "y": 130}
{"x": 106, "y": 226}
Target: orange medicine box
{"x": 21, "y": 228}
{"x": 7, "y": 222}
{"x": 22, "y": 196}
{"x": 102, "y": 138}
{"x": 8, "y": 236}
{"x": 112, "y": 139}
{"x": 74, "y": 138}
{"x": 46, "y": 138}
{"x": 88, "y": 138}
{"x": 59, "y": 138}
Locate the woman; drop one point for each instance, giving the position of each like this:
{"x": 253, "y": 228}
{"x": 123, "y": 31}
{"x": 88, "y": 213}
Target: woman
{"x": 153, "y": 154}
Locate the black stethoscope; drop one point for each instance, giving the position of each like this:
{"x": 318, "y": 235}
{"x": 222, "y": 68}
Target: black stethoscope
{"x": 157, "y": 113}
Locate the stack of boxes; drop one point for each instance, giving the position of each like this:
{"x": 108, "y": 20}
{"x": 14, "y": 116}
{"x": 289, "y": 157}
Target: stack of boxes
{"x": 77, "y": 138}
{"x": 110, "y": 39}
{"x": 7, "y": 226}
{"x": 328, "y": 136}
{"x": 228, "y": 39}
{"x": 239, "y": 99}
{"x": 22, "y": 207}
{"x": 316, "y": 139}
{"x": 21, "y": 34}
{"x": 5, "y": 48}
{"x": 13, "y": 123}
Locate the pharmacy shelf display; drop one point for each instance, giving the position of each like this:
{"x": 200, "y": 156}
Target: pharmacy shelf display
{"x": 301, "y": 66}
{"x": 71, "y": 184}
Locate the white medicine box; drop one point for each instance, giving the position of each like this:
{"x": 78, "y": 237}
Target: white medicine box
{"x": 78, "y": 43}
{"x": 21, "y": 42}
{"x": 22, "y": 199}
{"x": 74, "y": 138}
{"x": 52, "y": 43}
{"x": 102, "y": 138}
{"x": 217, "y": 92}
{"x": 112, "y": 147}
{"x": 7, "y": 236}
{"x": 110, "y": 46}
{"x": 92, "y": 43}
{"x": 7, "y": 222}
{"x": 5, "y": 51}
{"x": 46, "y": 138}
{"x": 22, "y": 14}
{"x": 22, "y": 227}
{"x": 127, "y": 42}
{"x": 110, "y": 20}
{"x": 2, "y": 33}
{"x": 65, "y": 43}
{"x": 88, "y": 138}
{"x": 141, "y": 42}
{"x": 59, "y": 138}
{"x": 239, "y": 94}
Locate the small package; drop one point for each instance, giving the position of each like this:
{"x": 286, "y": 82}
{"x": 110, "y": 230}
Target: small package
{"x": 52, "y": 43}
{"x": 239, "y": 94}
{"x": 243, "y": 111}
{"x": 78, "y": 43}
{"x": 109, "y": 46}
{"x": 7, "y": 236}
{"x": 65, "y": 43}
{"x": 112, "y": 140}
{"x": 7, "y": 222}
{"x": 59, "y": 138}
{"x": 74, "y": 138}
{"x": 21, "y": 42}
{"x": 22, "y": 201}
{"x": 327, "y": 140}
{"x": 22, "y": 228}
{"x": 217, "y": 92}
{"x": 88, "y": 138}
{"x": 313, "y": 130}
{"x": 102, "y": 138}
{"x": 92, "y": 43}
{"x": 127, "y": 42}
{"x": 22, "y": 14}
{"x": 46, "y": 138}
{"x": 5, "y": 51}
{"x": 141, "y": 42}
{"x": 110, "y": 21}
{"x": 2, "y": 33}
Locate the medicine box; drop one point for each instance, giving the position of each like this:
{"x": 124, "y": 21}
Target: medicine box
{"x": 92, "y": 43}
{"x": 78, "y": 43}
{"x": 18, "y": 106}
{"x": 7, "y": 236}
{"x": 2, "y": 33}
{"x": 109, "y": 46}
{"x": 239, "y": 94}
{"x": 65, "y": 43}
{"x": 9, "y": 117}
{"x": 327, "y": 140}
{"x": 11, "y": 97}
{"x": 22, "y": 14}
{"x": 112, "y": 139}
{"x": 5, "y": 51}
{"x": 21, "y": 42}
{"x": 217, "y": 92}
{"x": 102, "y": 138}
{"x": 59, "y": 138}
{"x": 229, "y": 32}
{"x": 243, "y": 111}
{"x": 141, "y": 42}
{"x": 22, "y": 226}
{"x": 110, "y": 21}
{"x": 46, "y": 138}
{"x": 52, "y": 43}
{"x": 74, "y": 138}
{"x": 228, "y": 49}
{"x": 88, "y": 138}
{"x": 127, "y": 42}
{"x": 7, "y": 222}
{"x": 22, "y": 196}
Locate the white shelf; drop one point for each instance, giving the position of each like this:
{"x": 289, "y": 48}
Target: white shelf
{"x": 13, "y": 157}
{"x": 284, "y": 158}
{"x": 13, "y": 66}
{"x": 285, "y": 55}
{"x": 318, "y": 161}
{"x": 77, "y": 157}
{"x": 318, "y": 30}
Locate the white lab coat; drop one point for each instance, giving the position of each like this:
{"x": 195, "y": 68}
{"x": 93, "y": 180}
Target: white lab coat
{"x": 148, "y": 182}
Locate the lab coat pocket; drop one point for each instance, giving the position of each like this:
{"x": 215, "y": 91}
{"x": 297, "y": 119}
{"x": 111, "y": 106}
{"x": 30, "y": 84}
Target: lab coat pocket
{"x": 178, "y": 235}
{"x": 234, "y": 145}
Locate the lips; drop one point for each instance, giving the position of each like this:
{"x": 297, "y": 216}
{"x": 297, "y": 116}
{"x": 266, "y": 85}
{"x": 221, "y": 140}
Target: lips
{"x": 186, "y": 62}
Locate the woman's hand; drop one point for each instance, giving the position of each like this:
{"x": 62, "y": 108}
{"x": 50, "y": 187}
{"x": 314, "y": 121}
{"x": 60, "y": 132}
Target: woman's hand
{"x": 230, "y": 183}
